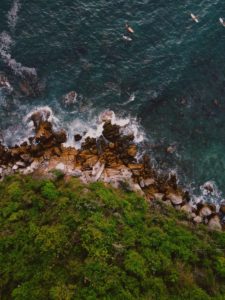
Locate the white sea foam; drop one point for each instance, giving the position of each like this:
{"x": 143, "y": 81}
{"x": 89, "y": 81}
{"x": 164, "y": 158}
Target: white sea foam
{"x": 209, "y": 193}
{"x": 6, "y": 42}
{"x": 131, "y": 99}
{"x": 93, "y": 127}
{"x": 46, "y": 114}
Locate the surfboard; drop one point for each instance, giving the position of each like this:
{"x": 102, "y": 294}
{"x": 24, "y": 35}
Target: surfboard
{"x": 222, "y": 21}
{"x": 127, "y": 38}
{"x": 194, "y": 18}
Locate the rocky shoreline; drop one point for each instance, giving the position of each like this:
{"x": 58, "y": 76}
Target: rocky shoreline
{"x": 111, "y": 158}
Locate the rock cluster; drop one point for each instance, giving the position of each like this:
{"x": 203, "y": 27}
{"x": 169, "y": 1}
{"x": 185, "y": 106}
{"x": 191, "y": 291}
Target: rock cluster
{"x": 111, "y": 158}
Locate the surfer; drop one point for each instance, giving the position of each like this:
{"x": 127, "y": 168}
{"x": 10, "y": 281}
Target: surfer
{"x": 222, "y": 21}
{"x": 194, "y": 18}
{"x": 128, "y": 28}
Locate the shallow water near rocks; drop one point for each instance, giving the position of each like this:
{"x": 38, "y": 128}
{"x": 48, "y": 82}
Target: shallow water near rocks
{"x": 170, "y": 77}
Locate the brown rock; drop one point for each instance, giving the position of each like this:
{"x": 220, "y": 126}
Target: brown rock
{"x": 70, "y": 98}
{"x": 175, "y": 199}
{"x": 214, "y": 223}
{"x": 222, "y": 207}
{"x": 198, "y": 220}
{"x": 187, "y": 208}
{"x": 111, "y": 132}
{"x": 205, "y": 211}
{"x": 77, "y": 137}
{"x": 132, "y": 150}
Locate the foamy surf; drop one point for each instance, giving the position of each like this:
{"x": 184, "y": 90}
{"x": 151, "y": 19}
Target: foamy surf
{"x": 93, "y": 127}
{"x": 209, "y": 193}
{"x": 6, "y": 42}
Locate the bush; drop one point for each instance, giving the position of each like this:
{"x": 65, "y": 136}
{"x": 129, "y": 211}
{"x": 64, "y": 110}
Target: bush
{"x": 70, "y": 241}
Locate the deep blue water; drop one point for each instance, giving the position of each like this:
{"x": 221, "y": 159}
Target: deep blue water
{"x": 174, "y": 68}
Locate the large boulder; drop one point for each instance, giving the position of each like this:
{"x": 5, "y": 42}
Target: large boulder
{"x": 175, "y": 199}
{"x": 214, "y": 223}
{"x": 111, "y": 132}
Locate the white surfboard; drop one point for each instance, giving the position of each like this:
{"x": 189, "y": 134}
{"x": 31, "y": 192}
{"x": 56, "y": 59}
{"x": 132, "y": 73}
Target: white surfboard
{"x": 194, "y": 18}
{"x": 222, "y": 21}
{"x": 127, "y": 38}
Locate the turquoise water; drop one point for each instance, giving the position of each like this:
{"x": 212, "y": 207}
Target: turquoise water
{"x": 168, "y": 76}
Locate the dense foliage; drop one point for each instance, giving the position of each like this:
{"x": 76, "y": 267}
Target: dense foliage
{"x": 62, "y": 240}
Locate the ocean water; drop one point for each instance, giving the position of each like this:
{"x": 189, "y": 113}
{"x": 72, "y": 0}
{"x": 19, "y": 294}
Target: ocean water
{"x": 169, "y": 80}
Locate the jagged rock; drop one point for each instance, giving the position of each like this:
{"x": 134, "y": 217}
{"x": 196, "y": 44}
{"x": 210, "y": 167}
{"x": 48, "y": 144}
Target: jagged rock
{"x": 159, "y": 196}
{"x": 70, "y": 98}
{"x": 168, "y": 203}
{"x": 26, "y": 157}
{"x": 135, "y": 166}
{"x": 222, "y": 207}
{"x": 20, "y": 164}
{"x": 56, "y": 151}
{"x": 198, "y": 220}
{"x": 171, "y": 149}
{"x": 214, "y": 223}
{"x": 97, "y": 170}
{"x": 187, "y": 208}
{"x": 136, "y": 188}
{"x": 132, "y": 150}
{"x": 149, "y": 181}
{"x": 175, "y": 199}
{"x": 208, "y": 186}
{"x": 111, "y": 132}
{"x": 75, "y": 173}
{"x": 15, "y": 167}
{"x": 77, "y": 137}
{"x": 89, "y": 160}
{"x": 205, "y": 211}
{"x": 34, "y": 165}
{"x": 107, "y": 116}
{"x": 111, "y": 145}
{"x": 61, "y": 167}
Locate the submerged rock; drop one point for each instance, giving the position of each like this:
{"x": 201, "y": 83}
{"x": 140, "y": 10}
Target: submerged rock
{"x": 70, "y": 98}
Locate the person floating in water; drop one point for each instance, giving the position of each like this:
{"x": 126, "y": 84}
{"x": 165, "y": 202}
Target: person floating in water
{"x": 128, "y": 28}
{"x": 194, "y": 18}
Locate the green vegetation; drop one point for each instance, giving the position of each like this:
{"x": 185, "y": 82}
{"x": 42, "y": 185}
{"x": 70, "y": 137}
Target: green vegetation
{"x": 63, "y": 240}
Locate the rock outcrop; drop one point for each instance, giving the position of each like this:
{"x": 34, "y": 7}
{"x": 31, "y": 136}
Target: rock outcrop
{"x": 111, "y": 158}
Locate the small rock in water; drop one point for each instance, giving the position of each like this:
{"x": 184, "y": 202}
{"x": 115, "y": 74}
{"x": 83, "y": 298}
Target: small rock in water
{"x": 106, "y": 116}
{"x": 77, "y": 137}
{"x": 171, "y": 149}
{"x": 208, "y": 186}
{"x": 70, "y": 98}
